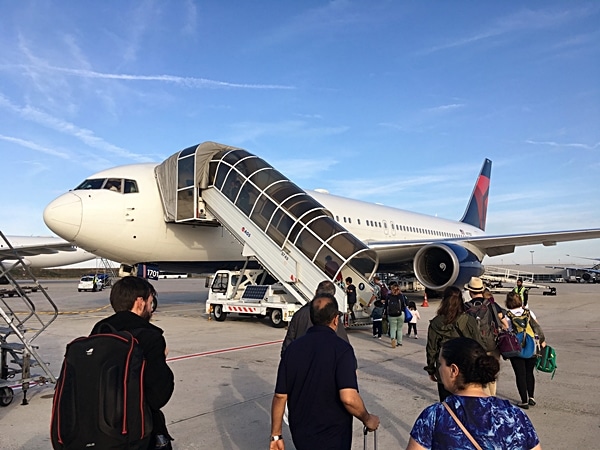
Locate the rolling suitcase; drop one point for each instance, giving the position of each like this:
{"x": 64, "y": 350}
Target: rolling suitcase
{"x": 365, "y": 432}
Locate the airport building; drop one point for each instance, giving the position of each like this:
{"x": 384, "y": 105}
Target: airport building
{"x": 543, "y": 273}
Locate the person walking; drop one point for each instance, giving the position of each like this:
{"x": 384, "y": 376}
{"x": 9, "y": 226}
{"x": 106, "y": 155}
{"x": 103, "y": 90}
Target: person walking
{"x": 465, "y": 369}
{"x": 317, "y": 379}
{"x": 523, "y": 366}
{"x": 377, "y": 318}
{"x": 450, "y": 322}
{"x": 301, "y": 322}
{"x": 489, "y": 317}
{"x": 412, "y": 325}
{"x": 131, "y": 298}
{"x": 395, "y": 313}
{"x": 351, "y": 297}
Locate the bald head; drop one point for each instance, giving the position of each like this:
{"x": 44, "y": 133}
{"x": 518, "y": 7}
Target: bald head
{"x": 323, "y": 309}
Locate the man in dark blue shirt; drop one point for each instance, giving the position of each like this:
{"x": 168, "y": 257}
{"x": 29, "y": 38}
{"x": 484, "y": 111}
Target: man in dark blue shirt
{"x": 317, "y": 378}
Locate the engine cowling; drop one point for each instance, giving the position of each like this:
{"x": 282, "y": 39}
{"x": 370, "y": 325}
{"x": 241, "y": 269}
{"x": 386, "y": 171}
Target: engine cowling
{"x": 440, "y": 265}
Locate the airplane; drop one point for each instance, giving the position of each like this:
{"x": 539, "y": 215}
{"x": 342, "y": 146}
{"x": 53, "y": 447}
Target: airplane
{"x": 158, "y": 216}
{"x": 590, "y": 274}
{"x": 40, "y": 251}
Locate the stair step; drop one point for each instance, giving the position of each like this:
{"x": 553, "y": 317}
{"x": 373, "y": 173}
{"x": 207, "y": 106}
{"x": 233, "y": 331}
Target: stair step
{"x": 15, "y": 346}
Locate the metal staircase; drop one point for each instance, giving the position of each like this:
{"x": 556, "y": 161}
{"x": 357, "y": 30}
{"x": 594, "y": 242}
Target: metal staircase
{"x": 290, "y": 234}
{"x": 27, "y": 315}
{"x": 495, "y": 277}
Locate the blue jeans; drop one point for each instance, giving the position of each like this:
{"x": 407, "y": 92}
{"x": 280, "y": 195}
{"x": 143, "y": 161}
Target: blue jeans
{"x": 396, "y": 327}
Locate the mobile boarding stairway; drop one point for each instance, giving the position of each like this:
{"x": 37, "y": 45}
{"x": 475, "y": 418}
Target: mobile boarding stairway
{"x": 288, "y": 232}
{"x": 495, "y": 277}
{"x": 27, "y": 312}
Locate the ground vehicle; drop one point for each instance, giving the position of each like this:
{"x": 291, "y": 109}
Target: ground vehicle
{"x": 240, "y": 292}
{"x": 91, "y": 283}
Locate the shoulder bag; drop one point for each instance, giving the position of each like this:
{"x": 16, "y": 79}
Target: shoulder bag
{"x": 462, "y": 427}
{"x": 508, "y": 344}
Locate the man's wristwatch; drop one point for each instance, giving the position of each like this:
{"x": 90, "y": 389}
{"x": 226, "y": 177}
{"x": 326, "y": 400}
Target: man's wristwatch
{"x": 276, "y": 438}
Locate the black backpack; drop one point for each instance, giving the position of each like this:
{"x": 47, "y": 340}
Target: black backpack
{"x": 484, "y": 311}
{"x": 395, "y": 306}
{"x": 98, "y": 400}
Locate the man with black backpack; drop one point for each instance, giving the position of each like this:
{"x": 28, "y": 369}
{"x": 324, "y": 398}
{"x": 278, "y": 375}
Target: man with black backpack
{"x": 483, "y": 309}
{"x": 120, "y": 370}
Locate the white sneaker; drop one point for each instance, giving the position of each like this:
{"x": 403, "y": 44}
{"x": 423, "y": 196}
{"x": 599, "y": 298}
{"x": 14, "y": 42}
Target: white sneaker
{"x": 416, "y": 337}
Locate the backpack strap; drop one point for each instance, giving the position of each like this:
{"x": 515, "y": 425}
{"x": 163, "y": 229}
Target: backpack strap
{"x": 106, "y": 327}
{"x": 494, "y": 308}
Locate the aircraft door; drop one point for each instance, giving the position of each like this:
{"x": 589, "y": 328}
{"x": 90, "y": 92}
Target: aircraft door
{"x": 393, "y": 228}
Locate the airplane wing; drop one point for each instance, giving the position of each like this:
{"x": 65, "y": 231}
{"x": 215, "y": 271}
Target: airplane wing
{"x": 31, "y": 246}
{"x": 490, "y": 245}
{"x": 581, "y": 269}
{"x": 503, "y": 244}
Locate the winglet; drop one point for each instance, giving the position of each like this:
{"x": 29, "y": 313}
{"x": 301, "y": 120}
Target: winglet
{"x": 476, "y": 212}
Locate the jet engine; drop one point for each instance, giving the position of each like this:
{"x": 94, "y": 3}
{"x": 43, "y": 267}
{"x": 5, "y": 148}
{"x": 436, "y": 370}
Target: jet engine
{"x": 586, "y": 277}
{"x": 440, "y": 265}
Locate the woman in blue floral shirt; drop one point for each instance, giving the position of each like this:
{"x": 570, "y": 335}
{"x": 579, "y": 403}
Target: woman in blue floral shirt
{"x": 465, "y": 369}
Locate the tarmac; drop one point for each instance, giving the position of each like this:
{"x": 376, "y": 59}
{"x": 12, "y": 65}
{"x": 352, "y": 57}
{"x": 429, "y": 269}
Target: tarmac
{"x": 225, "y": 372}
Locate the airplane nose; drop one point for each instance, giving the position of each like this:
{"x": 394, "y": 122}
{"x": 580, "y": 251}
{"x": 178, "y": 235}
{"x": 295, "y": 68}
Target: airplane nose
{"x": 63, "y": 216}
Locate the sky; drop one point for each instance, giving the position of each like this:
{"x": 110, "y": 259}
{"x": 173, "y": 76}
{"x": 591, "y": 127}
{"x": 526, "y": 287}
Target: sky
{"x": 384, "y": 101}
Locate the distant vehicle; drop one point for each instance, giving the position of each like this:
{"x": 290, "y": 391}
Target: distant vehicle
{"x": 173, "y": 275}
{"x": 92, "y": 282}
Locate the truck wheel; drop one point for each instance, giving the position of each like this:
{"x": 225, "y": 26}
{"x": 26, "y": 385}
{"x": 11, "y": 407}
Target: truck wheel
{"x": 276, "y": 318}
{"x": 6, "y": 396}
{"x": 218, "y": 313}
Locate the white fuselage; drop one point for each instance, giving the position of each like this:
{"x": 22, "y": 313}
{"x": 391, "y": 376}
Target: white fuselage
{"x": 130, "y": 228}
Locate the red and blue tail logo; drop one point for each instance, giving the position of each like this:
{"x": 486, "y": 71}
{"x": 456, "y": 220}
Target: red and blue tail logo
{"x": 476, "y": 212}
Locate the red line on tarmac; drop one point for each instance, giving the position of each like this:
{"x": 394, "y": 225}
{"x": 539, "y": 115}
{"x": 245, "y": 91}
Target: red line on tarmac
{"x": 223, "y": 350}
{"x": 193, "y": 355}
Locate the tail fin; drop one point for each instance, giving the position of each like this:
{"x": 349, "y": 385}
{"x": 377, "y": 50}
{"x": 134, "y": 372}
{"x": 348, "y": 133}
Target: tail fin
{"x": 476, "y": 212}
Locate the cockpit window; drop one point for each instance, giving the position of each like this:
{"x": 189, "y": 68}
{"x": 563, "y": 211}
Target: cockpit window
{"x": 91, "y": 184}
{"x": 130, "y": 186}
{"x": 113, "y": 184}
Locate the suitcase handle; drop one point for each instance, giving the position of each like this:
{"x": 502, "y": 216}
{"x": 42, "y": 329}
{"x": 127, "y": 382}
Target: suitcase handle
{"x": 365, "y": 431}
